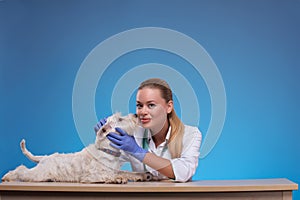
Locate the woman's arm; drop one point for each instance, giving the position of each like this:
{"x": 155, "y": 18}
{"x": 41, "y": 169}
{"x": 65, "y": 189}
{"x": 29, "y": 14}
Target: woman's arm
{"x": 181, "y": 169}
{"x": 160, "y": 164}
{"x": 185, "y": 166}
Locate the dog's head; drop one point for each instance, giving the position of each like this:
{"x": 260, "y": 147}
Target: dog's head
{"x": 128, "y": 123}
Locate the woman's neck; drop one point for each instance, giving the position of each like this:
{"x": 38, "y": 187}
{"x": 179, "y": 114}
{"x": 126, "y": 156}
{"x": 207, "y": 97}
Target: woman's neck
{"x": 160, "y": 136}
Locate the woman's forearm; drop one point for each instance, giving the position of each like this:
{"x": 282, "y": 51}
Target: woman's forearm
{"x": 162, "y": 165}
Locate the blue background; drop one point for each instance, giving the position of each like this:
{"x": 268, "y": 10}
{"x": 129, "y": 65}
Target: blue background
{"x": 255, "y": 45}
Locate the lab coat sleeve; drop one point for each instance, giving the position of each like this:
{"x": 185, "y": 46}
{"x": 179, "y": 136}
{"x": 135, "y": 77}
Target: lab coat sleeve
{"x": 185, "y": 166}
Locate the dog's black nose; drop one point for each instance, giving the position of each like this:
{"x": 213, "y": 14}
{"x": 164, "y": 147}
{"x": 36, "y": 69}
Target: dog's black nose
{"x": 135, "y": 115}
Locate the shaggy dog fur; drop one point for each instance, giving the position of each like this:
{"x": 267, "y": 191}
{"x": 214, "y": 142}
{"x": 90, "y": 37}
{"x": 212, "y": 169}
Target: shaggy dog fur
{"x": 97, "y": 163}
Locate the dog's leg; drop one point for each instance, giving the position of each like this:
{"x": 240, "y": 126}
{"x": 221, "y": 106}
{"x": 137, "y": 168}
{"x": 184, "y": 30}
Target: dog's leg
{"x": 105, "y": 177}
{"x": 136, "y": 176}
{"x": 17, "y": 174}
{"x": 29, "y": 154}
{"x": 23, "y": 174}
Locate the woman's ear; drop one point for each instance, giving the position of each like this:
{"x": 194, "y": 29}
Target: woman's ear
{"x": 170, "y": 106}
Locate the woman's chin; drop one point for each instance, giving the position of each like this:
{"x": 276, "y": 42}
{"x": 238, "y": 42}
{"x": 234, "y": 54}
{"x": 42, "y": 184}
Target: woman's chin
{"x": 146, "y": 125}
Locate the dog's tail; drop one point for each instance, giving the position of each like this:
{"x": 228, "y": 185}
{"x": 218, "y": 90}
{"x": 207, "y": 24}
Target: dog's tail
{"x": 28, "y": 154}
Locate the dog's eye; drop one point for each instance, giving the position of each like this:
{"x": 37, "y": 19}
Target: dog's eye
{"x": 120, "y": 119}
{"x": 103, "y": 130}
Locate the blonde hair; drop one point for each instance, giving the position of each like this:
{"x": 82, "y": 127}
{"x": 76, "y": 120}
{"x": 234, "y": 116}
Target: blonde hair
{"x": 177, "y": 127}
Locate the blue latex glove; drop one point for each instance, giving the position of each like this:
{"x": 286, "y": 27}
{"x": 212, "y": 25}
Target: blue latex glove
{"x": 126, "y": 143}
{"x": 100, "y": 124}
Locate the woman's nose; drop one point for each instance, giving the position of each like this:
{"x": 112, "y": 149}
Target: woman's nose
{"x": 143, "y": 110}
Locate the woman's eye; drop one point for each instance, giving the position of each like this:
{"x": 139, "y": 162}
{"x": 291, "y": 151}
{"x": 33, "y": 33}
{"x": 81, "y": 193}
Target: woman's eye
{"x": 151, "y": 105}
{"x": 139, "y": 106}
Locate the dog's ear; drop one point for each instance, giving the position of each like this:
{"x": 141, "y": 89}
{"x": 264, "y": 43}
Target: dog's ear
{"x": 118, "y": 115}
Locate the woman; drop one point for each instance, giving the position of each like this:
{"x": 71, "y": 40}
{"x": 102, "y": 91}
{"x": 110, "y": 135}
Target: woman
{"x": 163, "y": 146}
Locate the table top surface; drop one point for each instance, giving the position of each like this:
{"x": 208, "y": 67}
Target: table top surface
{"x": 280, "y": 184}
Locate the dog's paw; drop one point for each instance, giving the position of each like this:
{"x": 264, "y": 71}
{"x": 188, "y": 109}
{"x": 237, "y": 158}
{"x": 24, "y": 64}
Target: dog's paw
{"x": 120, "y": 180}
{"x": 5, "y": 178}
{"x": 10, "y": 176}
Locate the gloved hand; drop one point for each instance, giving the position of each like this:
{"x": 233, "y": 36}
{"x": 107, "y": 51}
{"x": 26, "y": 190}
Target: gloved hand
{"x": 100, "y": 124}
{"x": 126, "y": 143}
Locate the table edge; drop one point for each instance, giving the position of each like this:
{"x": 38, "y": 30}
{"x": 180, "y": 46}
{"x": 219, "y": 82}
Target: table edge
{"x": 194, "y": 186}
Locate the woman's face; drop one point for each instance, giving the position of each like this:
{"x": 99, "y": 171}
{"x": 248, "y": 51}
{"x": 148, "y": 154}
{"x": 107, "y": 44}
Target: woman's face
{"x": 152, "y": 109}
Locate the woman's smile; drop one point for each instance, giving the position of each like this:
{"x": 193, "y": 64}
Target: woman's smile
{"x": 145, "y": 120}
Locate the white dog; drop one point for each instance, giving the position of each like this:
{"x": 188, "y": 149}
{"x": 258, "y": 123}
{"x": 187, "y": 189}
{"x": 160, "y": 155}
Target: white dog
{"x": 97, "y": 163}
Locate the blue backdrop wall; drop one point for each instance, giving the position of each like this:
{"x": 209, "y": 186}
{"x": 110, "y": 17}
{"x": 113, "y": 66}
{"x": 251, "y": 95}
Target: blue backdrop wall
{"x": 254, "y": 44}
